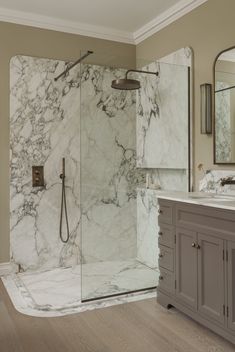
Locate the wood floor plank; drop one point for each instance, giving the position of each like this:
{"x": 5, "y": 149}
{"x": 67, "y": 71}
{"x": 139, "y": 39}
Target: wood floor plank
{"x": 142, "y": 326}
{"x": 9, "y": 340}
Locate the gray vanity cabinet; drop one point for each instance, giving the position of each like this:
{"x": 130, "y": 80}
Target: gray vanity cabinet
{"x": 211, "y": 277}
{"x": 186, "y": 267}
{"x": 231, "y": 285}
{"x": 197, "y": 264}
{"x": 200, "y": 273}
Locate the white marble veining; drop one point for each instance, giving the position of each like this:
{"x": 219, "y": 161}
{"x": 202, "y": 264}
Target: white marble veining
{"x": 44, "y": 127}
{"x": 59, "y": 292}
{"x": 108, "y": 175}
{"x": 147, "y": 227}
{"x": 210, "y": 182}
{"x": 94, "y": 127}
{"x": 169, "y": 179}
{"x": 162, "y": 117}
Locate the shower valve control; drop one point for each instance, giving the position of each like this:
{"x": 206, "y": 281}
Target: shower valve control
{"x": 38, "y": 176}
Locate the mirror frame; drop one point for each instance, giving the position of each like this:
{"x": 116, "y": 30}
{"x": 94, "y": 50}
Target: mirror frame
{"x": 213, "y": 110}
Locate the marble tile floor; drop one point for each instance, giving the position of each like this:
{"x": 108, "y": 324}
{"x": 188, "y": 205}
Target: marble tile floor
{"x": 58, "y": 292}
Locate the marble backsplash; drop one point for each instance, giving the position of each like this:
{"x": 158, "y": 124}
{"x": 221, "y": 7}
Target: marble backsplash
{"x": 211, "y": 181}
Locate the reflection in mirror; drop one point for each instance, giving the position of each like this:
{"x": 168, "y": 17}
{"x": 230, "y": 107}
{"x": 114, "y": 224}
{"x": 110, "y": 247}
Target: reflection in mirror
{"x": 224, "y": 138}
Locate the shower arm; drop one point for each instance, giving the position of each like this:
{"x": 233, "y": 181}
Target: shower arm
{"x": 140, "y": 71}
{"x": 74, "y": 64}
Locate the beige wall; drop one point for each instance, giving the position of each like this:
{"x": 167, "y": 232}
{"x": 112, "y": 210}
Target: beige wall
{"x": 24, "y": 40}
{"x": 208, "y": 30}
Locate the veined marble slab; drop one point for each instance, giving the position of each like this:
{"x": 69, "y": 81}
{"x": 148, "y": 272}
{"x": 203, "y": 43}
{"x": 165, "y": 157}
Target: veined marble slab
{"x": 58, "y": 292}
{"x": 210, "y": 182}
{"x": 44, "y": 127}
{"x": 162, "y": 116}
{"x": 147, "y": 227}
{"x": 109, "y": 176}
{"x": 46, "y": 124}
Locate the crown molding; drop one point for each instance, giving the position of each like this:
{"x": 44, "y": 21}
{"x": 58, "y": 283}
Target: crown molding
{"x": 51, "y": 23}
{"x": 166, "y": 18}
{"x": 100, "y": 32}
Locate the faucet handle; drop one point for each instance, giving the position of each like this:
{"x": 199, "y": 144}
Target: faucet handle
{"x": 227, "y": 180}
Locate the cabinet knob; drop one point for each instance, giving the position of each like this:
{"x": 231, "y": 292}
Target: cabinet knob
{"x": 161, "y": 255}
{"x": 198, "y": 246}
{"x": 194, "y": 244}
{"x": 160, "y": 211}
{"x": 161, "y": 277}
{"x": 160, "y": 233}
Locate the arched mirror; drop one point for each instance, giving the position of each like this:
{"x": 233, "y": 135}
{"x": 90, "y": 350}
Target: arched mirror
{"x": 224, "y": 98}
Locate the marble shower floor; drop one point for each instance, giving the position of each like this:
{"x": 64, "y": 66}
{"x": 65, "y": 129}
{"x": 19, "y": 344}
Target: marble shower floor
{"x": 57, "y": 292}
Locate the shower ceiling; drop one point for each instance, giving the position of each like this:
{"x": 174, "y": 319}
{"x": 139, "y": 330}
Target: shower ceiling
{"x": 123, "y": 18}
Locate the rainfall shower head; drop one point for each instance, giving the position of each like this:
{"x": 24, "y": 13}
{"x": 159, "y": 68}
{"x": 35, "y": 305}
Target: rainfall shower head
{"x": 127, "y": 83}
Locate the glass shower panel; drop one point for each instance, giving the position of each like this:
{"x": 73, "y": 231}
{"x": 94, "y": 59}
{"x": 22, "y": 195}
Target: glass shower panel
{"x": 109, "y": 181}
{"x": 118, "y": 214}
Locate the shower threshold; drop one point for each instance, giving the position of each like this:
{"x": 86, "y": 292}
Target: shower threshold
{"x": 61, "y": 291}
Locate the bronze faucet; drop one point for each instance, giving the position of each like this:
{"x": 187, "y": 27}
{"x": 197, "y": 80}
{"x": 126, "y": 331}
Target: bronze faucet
{"x": 227, "y": 181}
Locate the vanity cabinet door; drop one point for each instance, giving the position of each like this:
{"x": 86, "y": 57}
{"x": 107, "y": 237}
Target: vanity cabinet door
{"x": 186, "y": 267}
{"x": 211, "y": 277}
{"x": 231, "y": 285}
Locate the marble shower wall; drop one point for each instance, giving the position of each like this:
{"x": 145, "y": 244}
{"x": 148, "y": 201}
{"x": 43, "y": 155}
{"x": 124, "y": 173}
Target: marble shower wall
{"x": 147, "y": 224}
{"x": 162, "y": 117}
{"x": 44, "y": 127}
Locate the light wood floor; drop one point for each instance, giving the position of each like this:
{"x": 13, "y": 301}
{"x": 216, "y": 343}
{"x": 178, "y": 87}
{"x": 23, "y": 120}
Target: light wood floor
{"x": 142, "y": 326}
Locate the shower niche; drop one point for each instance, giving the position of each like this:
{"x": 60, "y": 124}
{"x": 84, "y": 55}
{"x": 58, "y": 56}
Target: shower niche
{"x": 112, "y": 246}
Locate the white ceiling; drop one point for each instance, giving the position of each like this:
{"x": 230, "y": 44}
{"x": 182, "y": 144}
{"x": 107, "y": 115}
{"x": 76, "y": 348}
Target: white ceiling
{"x": 125, "y": 19}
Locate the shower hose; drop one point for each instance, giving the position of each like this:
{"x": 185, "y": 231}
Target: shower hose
{"x": 64, "y": 207}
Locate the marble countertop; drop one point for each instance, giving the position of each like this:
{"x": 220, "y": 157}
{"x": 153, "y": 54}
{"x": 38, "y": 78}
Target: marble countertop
{"x": 223, "y": 201}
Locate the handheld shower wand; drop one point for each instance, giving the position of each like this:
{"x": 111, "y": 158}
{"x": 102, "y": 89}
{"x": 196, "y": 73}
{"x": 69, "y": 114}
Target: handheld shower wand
{"x": 63, "y": 206}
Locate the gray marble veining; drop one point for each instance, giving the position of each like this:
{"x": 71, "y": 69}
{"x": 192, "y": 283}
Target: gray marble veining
{"x": 50, "y": 121}
{"x": 210, "y": 182}
{"x": 44, "y": 127}
{"x": 59, "y": 291}
{"x": 162, "y": 117}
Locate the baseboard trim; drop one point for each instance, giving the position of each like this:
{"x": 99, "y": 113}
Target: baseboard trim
{"x": 6, "y": 269}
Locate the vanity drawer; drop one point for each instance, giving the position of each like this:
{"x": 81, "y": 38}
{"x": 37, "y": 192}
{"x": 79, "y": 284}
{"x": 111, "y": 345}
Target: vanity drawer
{"x": 166, "y": 258}
{"x": 166, "y": 235}
{"x": 165, "y": 212}
{"x": 166, "y": 281}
